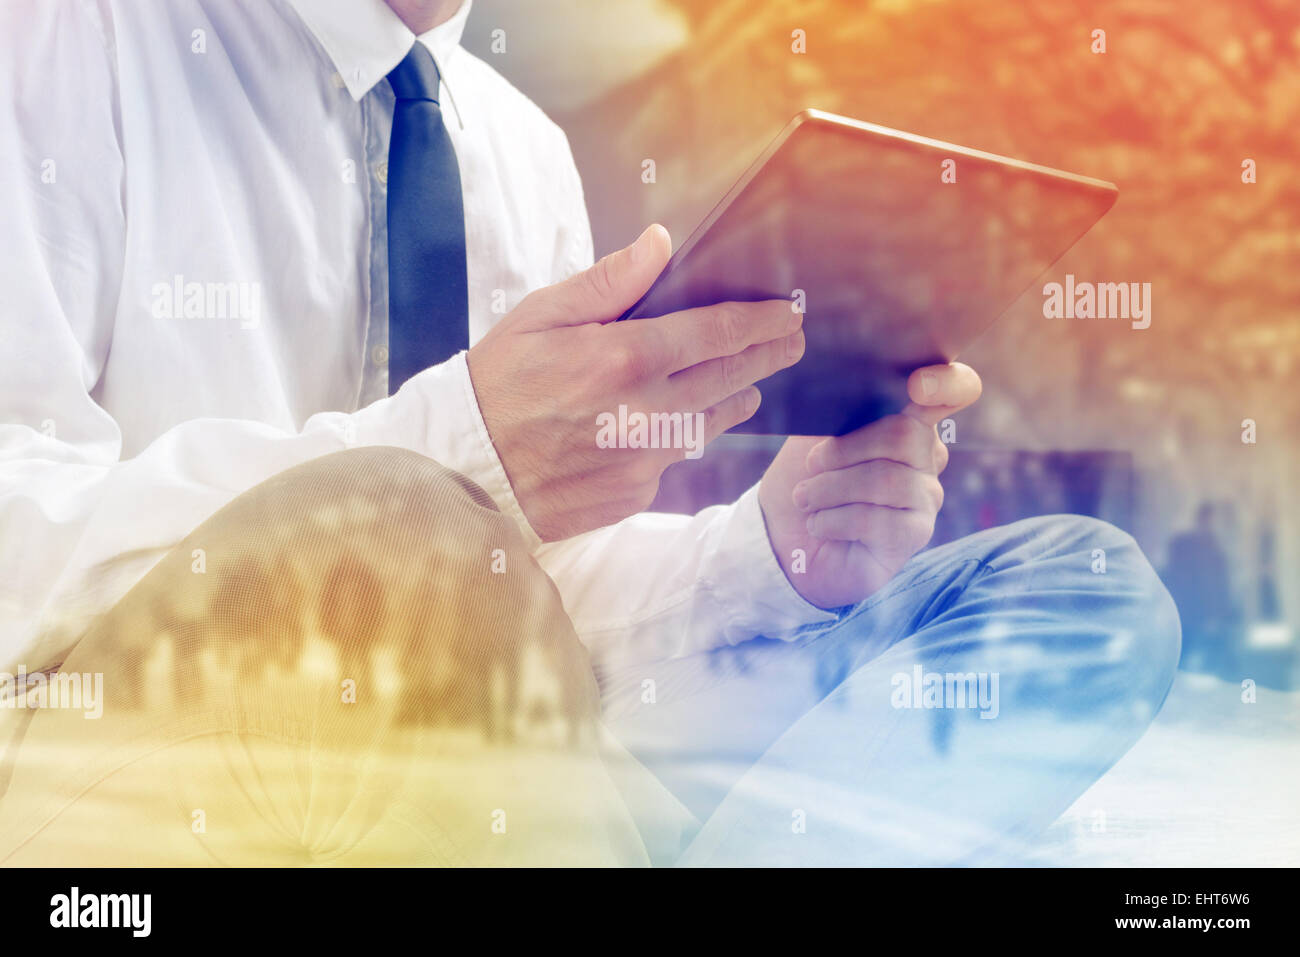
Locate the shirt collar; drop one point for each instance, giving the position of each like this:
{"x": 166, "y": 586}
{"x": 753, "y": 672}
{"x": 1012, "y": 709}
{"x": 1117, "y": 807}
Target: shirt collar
{"x": 365, "y": 39}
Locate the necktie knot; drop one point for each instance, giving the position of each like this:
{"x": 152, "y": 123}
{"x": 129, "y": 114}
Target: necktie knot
{"x": 417, "y": 76}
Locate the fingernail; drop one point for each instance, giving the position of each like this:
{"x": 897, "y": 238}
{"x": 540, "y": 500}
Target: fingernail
{"x": 929, "y": 384}
{"x": 794, "y": 346}
{"x": 640, "y": 248}
{"x": 816, "y": 458}
{"x": 800, "y": 496}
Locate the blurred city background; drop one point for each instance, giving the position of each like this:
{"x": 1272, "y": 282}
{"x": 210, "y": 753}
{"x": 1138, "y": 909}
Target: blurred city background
{"x": 1140, "y": 427}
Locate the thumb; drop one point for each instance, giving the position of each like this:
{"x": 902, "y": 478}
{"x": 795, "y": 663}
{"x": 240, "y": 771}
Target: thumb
{"x": 606, "y": 290}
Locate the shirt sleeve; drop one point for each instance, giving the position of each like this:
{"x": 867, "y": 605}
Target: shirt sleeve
{"x": 79, "y": 525}
{"x": 658, "y": 585}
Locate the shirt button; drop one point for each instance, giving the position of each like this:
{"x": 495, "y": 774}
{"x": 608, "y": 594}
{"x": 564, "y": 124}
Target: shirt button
{"x": 381, "y": 172}
{"x": 379, "y": 355}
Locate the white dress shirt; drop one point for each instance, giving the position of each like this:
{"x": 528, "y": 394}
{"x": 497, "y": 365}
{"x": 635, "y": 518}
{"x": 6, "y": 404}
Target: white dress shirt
{"x": 193, "y": 298}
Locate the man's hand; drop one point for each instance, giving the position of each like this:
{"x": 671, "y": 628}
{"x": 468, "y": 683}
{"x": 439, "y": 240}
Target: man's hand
{"x": 556, "y": 362}
{"x": 860, "y": 505}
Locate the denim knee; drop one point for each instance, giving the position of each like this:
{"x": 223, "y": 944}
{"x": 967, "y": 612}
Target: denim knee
{"x": 1110, "y": 563}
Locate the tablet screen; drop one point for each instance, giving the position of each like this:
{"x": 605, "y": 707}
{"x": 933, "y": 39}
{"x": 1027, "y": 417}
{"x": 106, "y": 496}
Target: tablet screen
{"x": 900, "y": 249}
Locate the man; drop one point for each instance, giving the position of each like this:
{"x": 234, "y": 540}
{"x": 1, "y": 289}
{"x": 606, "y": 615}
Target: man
{"x": 1199, "y": 581}
{"x": 246, "y": 447}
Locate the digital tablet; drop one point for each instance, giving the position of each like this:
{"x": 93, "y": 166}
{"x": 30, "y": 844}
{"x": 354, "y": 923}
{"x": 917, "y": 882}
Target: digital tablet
{"x": 899, "y": 249}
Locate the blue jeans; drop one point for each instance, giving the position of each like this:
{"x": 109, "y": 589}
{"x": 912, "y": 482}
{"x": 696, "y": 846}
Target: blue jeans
{"x": 948, "y": 719}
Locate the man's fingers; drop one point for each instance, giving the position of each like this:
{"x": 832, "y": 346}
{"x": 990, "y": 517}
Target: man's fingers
{"x": 891, "y": 530}
{"x": 730, "y": 412}
{"x": 929, "y": 415}
{"x": 940, "y": 391}
{"x": 606, "y": 290}
{"x": 953, "y": 386}
{"x": 693, "y": 336}
{"x": 879, "y": 482}
{"x": 709, "y": 382}
{"x": 899, "y": 438}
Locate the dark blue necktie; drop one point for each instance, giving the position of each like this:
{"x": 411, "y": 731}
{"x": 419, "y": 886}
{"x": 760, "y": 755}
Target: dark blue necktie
{"x": 428, "y": 296}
